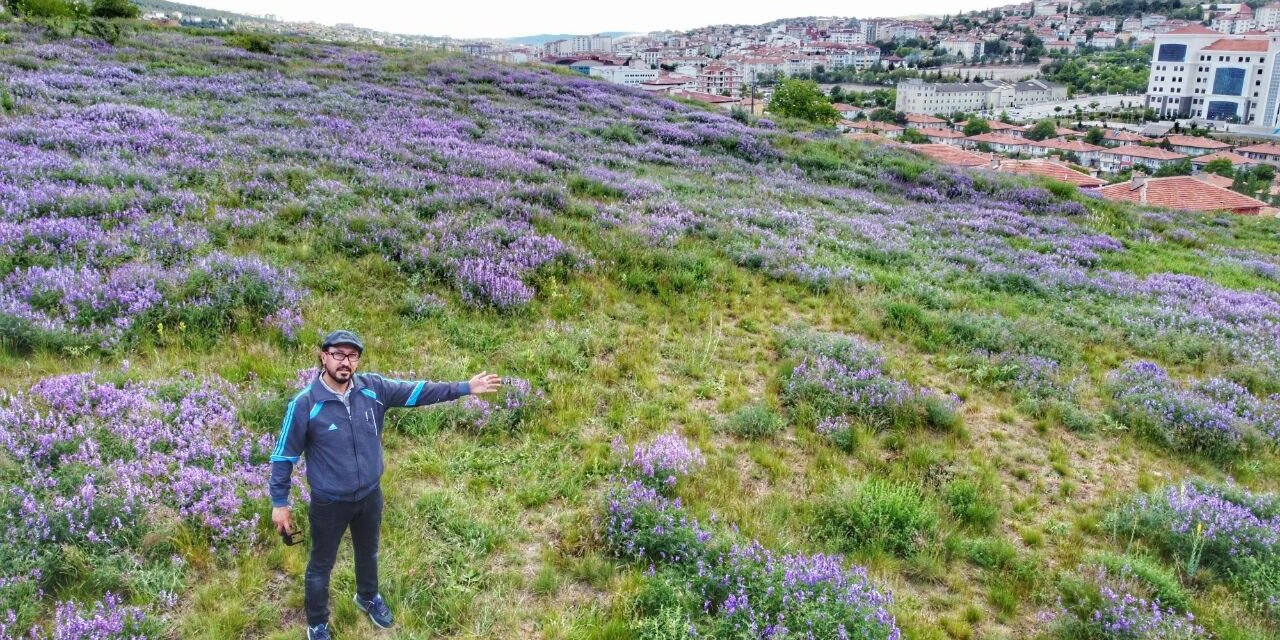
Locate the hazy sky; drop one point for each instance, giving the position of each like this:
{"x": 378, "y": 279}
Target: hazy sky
{"x": 480, "y": 18}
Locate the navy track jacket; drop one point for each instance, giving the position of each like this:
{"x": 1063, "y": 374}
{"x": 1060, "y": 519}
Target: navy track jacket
{"x": 343, "y": 442}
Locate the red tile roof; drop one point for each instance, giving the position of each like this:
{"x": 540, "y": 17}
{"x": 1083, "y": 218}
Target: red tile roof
{"x": 917, "y": 118}
{"x": 1237, "y": 44}
{"x": 1196, "y": 141}
{"x": 998, "y": 138}
{"x": 1150, "y": 153}
{"x": 1266, "y": 148}
{"x": 1078, "y": 146}
{"x": 1051, "y": 169}
{"x": 1120, "y": 135}
{"x": 1182, "y": 192}
{"x": 947, "y": 154}
{"x": 1193, "y": 29}
{"x": 1233, "y": 158}
{"x": 1216, "y": 180}
{"x": 872, "y": 125}
{"x": 941, "y": 133}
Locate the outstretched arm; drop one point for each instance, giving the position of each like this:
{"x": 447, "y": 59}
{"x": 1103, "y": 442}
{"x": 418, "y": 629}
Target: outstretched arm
{"x": 409, "y": 393}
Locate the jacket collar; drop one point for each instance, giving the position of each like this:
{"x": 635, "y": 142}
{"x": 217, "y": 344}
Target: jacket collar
{"x": 320, "y": 391}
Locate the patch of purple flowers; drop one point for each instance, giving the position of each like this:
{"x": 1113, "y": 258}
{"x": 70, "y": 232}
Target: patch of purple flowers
{"x": 843, "y": 375}
{"x": 661, "y": 461}
{"x": 96, "y": 465}
{"x": 754, "y": 593}
{"x": 639, "y": 523}
{"x": 1211, "y": 417}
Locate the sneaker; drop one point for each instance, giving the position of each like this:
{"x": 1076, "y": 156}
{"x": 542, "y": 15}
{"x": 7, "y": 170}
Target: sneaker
{"x": 379, "y": 612}
{"x": 319, "y": 632}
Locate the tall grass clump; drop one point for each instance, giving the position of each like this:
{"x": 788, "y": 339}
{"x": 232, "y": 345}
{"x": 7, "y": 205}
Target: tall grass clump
{"x": 877, "y": 514}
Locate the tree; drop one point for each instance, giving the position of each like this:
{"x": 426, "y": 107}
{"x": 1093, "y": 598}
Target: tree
{"x": 976, "y": 126}
{"x": 114, "y": 9}
{"x": 1179, "y": 168}
{"x": 1095, "y": 136}
{"x": 1043, "y": 130}
{"x": 804, "y": 100}
{"x": 913, "y": 136}
{"x": 1264, "y": 173}
{"x": 47, "y": 8}
{"x": 882, "y": 115}
{"x": 1220, "y": 166}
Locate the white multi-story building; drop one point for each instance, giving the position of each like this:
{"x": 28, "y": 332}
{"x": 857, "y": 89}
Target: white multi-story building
{"x": 624, "y": 75}
{"x": 1267, "y": 17}
{"x": 962, "y": 46}
{"x": 1197, "y": 73}
{"x": 848, "y": 36}
{"x": 917, "y": 96}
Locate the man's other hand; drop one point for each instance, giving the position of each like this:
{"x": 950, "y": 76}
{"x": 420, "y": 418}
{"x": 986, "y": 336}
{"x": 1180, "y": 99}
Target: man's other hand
{"x": 282, "y": 518}
{"x": 485, "y": 382}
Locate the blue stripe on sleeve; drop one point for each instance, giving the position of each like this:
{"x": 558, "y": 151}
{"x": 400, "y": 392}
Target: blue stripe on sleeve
{"x": 284, "y": 428}
{"x": 413, "y": 398}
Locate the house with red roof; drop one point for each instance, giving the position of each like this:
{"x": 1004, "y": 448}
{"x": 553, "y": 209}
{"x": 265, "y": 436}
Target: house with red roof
{"x": 1268, "y": 152}
{"x": 1181, "y": 192}
{"x": 943, "y": 136}
{"x": 1237, "y": 161}
{"x": 1117, "y": 159}
{"x": 1195, "y": 145}
{"x": 921, "y": 121}
{"x": 1089, "y": 155}
{"x": 998, "y": 142}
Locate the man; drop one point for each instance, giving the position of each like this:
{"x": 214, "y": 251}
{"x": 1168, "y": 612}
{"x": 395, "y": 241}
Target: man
{"x": 337, "y": 422}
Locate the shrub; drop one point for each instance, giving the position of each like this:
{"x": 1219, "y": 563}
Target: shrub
{"x": 990, "y": 553}
{"x": 252, "y": 42}
{"x": 93, "y": 469}
{"x": 877, "y": 514}
{"x": 1162, "y": 584}
{"x": 114, "y": 9}
{"x": 753, "y": 421}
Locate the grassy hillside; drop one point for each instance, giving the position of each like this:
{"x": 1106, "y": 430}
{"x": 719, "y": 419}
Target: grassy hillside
{"x": 760, "y": 380}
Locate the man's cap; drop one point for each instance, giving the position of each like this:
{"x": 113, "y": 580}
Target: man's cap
{"x": 342, "y": 336}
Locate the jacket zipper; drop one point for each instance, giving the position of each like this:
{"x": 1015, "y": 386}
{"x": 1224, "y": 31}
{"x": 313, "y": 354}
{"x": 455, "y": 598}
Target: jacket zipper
{"x": 355, "y": 449}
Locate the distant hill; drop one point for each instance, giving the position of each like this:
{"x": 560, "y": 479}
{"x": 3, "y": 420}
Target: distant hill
{"x": 549, "y": 37}
{"x": 191, "y": 10}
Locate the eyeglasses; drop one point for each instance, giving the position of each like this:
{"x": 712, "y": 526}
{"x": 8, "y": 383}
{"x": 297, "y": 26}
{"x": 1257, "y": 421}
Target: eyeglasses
{"x": 343, "y": 357}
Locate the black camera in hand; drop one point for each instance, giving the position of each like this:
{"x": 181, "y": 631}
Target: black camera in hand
{"x": 293, "y": 537}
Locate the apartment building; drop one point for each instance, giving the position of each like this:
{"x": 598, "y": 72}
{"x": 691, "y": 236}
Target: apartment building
{"x": 1198, "y": 73}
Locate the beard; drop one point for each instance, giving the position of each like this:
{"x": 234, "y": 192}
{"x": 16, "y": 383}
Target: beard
{"x": 341, "y": 373}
